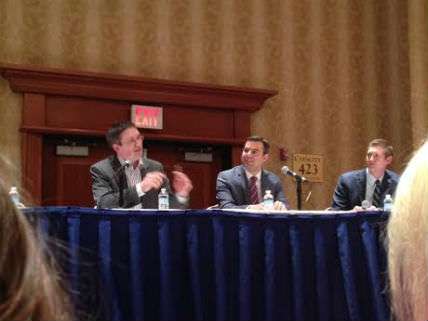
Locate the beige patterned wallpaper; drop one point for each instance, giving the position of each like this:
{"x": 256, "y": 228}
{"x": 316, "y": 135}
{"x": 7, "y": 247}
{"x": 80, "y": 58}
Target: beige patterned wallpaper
{"x": 347, "y": 71}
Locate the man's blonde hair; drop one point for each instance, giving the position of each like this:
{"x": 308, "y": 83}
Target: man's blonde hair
{"x": 384, "y": 144}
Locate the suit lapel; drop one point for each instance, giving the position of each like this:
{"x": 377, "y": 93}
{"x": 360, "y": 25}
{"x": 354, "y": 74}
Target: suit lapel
{"x": 361, "y": 185}
{"x": 263, "y": 183}
{"x": 386, "y": 184}
{"x": 144, "y": 168}
{"x": 120, "y": 178}
{"x": 241, "y": 177}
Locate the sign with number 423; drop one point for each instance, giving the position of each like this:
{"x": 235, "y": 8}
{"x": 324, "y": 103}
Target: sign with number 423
{"x": 309, "y": 166}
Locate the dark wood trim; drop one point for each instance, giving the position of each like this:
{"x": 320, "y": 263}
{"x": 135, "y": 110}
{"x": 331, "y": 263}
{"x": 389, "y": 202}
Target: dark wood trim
{"x": 132, "y": 88}
{"x": 38, "y": 104}
{"x": 61, "y": 131}
{"x": 32, "y": 162}
{"x": 236, "y": 155}
{"x": 151, "y": 136}
{"x": 240, "y": 121}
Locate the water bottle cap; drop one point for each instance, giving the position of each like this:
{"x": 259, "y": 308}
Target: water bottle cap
{"x": 163, "y": 189}
{"x": 13, "y": 189}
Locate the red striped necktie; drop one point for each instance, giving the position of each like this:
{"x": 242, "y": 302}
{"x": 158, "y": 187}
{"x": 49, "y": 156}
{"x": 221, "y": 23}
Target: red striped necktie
{"x": 254, "y": 194}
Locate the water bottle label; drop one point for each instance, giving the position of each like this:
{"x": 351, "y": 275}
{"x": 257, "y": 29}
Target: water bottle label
{"x": 387, "y": 207}
{"x": 268, "y": 203}
{"x": 163, "y": 202}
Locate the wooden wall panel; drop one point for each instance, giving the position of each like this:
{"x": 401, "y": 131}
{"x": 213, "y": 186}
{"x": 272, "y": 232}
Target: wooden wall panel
{"x": 241, "y": 120}
{"x": 75, "y": 170}
{"x": 34, "y": 109}
{"x": 32, "y": 162}
{"x": 83, "y": 113}
{"x": 210, "y": 123}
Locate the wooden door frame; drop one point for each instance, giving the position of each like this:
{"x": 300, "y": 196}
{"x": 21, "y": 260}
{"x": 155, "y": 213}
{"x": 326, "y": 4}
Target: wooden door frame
{"x": 49, "y": 93}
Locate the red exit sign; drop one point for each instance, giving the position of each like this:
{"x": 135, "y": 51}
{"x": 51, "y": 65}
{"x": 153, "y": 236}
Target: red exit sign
{"x": 147, "y": 116}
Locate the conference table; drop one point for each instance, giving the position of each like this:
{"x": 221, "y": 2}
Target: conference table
{"x": 219, "y": 264}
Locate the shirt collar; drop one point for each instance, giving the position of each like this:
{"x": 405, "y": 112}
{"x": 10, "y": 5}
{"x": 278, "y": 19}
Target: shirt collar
{"x": 371, "y": 179}
{"x": 122, "y": 161}
{"x": 249, "y": 175}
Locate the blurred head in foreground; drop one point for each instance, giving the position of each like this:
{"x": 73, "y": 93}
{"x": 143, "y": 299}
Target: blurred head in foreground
{"x": 30, "y": 288}
{"x": 407, "y": 237}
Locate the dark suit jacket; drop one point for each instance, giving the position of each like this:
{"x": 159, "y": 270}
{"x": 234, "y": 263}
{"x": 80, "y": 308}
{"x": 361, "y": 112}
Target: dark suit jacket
{"x": 108, "y": 178}
{"x": 351, "y": 188}
{"x": 233, "y": 188}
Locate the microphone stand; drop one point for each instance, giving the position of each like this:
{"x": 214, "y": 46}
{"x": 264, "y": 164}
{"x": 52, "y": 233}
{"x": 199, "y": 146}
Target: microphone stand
{"x": 299, "y": 179}
{"x": 299, "y": 192}
{"x": 118, "y": 175}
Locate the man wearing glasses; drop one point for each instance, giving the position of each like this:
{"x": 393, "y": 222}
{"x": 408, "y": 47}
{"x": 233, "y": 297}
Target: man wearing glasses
{"x": 244, "y": 185}
{"x": 127, "y": 180}
{"x": 365, "y": 189}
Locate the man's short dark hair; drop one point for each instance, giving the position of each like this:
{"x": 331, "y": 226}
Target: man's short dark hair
{"x": 260, "y": 139}
{"x": 380, "y": 142}
{"x": 114, "y": 132}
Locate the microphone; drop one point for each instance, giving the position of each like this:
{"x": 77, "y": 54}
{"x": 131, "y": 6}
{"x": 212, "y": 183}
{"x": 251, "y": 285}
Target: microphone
{"x": 286, "y": 171}
{"x": 126, "y": 163}
{"x": 365, "y": 204}
{"x": 122, "y": 168}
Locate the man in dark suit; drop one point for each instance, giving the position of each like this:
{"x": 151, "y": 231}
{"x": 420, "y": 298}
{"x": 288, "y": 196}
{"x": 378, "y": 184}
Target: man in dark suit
{"x": 370, "y": 184}
{"x": 245, "y": 185}
{"x": 128, "y": 180}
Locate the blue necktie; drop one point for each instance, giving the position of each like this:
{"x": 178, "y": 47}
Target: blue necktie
{"x": 377, "y": 195}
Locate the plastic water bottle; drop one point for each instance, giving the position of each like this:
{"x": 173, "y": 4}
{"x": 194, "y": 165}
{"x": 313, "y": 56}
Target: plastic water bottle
{"x": 14, "y": 196}
{"x": 268, "y": 200}
{"x": 163, "y": 199}
{"x": 387, "y": 203}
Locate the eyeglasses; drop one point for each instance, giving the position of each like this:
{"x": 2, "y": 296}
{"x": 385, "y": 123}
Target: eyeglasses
{"x": 374, "y": 156}
{"x": 133, "y": 141}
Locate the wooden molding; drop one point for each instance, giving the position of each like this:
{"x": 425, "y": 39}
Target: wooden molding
{"x": 32, "y": 165}
{"x": 131, "y": 88}
{"x": 150, "y": 136}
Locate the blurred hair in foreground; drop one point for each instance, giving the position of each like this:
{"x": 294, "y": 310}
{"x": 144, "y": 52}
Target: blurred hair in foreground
{"x": 30, "y": 286}
{"x": 407, "y": 236}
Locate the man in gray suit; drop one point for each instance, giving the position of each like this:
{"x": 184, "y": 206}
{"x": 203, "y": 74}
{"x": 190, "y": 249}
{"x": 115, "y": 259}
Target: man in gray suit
{"x": 128, "y": 180}
{"x": 370, "y": 184}
{"x": 244, "y": 186}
